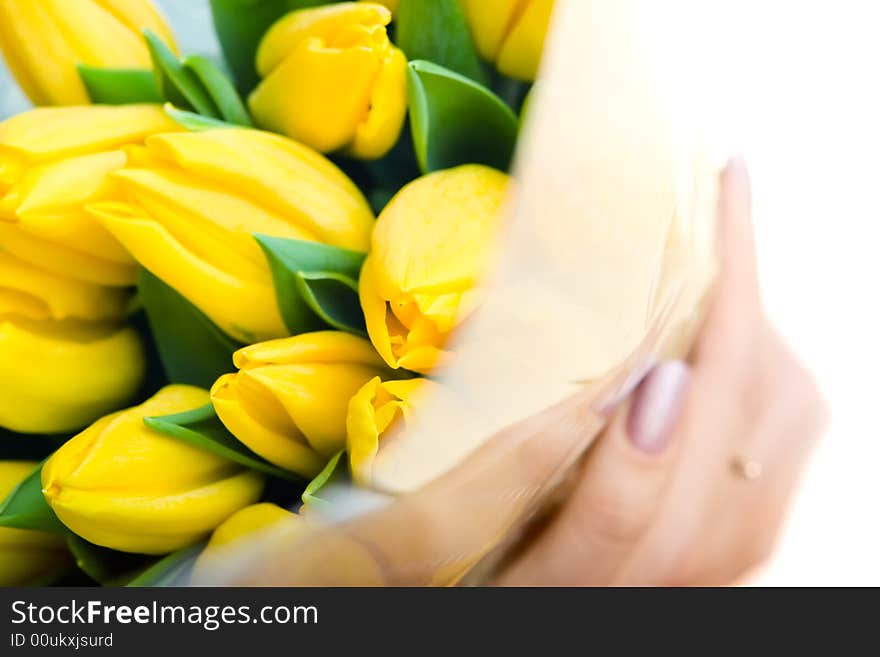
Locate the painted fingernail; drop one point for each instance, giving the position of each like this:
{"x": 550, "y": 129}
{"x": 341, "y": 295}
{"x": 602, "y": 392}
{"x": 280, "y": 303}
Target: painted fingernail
{"x": 657, "y": 405}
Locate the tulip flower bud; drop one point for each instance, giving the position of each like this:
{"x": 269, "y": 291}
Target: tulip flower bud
{"x": 430, "y": 246}
{"x": 333, "y": 80}
{"x": 288, "y": 401}
{"x": 55, "y": 161}
{"x": 264, "y": 543}
{"x": 43, "y": 41}
{"x": 510, "y": 33}
{"x": 121, "y": 485}
{"x": 59, "y": 376}
{"x": 26, "y": 555}
{"x": 192, "y": 202}
{"x": 377, "y": 419}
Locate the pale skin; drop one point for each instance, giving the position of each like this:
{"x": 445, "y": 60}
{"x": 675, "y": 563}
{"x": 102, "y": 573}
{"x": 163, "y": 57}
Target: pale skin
{"x": 656, "y": 500}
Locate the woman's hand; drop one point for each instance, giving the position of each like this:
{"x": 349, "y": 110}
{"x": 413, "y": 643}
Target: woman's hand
{"x": 690, "y": 482}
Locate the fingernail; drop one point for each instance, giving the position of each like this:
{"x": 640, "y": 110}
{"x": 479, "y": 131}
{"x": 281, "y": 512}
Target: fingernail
{"x": 657, "y": 405}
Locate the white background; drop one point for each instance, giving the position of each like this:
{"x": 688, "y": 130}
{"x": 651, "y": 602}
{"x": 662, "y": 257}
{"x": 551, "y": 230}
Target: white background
{"x": 798, "y": 92}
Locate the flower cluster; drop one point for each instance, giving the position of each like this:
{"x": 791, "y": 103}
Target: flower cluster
{"x": 217, "y": 293}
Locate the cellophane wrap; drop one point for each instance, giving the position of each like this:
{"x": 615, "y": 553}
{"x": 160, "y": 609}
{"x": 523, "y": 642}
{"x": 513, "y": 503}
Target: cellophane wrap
{"x": 604, "y": 269}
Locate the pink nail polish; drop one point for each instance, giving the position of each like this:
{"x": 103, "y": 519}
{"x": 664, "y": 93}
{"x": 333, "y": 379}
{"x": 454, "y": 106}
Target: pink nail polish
{"x": 657, "y": 405}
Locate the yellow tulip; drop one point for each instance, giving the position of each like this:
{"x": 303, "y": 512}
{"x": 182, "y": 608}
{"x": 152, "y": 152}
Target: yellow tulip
{"x": 44, "y": 40}
{"x": 54, "y": 162}
{"x": 333, "y": 80}
{"x": 510, "y": 33}
{"x": 26, "y": 555}
{"x": 429, "y": 248}
{"x": 192, "y": 202}
{"x": 57, "y": 377}
{"x": 121, "y": 485}
{"x": 288, "y": 401}
{"x": 377, "y": 418}
{"x": 264, "y": 544}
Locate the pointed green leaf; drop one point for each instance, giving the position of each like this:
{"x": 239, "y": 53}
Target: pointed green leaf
{"x": 191, "y": 347}
{"x": 120, "y": 86}
{"x": 178, "y": 85}
{"x": 437, "y": 31}
{"x": 26, "y": 508}
{"x": 334, "y": 298}
{"x": 315, "y": 284}
{"x": 195, "y": 122}
{"x": 220, "y": 89}
{"x": 457, "y": 121}
{"x": 103, "y": 564}
{"x": 334, "y": 472}
{"x": 173, "y": 570}
{"x": 203, "y": 429}
{"x": 240, "y": 26}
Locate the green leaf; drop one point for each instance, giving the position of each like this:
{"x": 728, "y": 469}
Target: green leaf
{"x": 102, "y": 564}
{"x": 333, "y": 472}
{"x": 334, "y": 298}
{"x": 195, "y": 122}
{"x": 179, "y": 85}
{"x": 191, "y": 347}
{"x": 220, "y": 89}
{"x": 203, "y": 429}
{"x": 26, "y": 508}
{"x": 119, "y": 86}
{"x": 315, "y": 284}
{"x": 240, "y": 26}
{"x": 173, "y": 570}
{"x": 437, "y": 31}
{"x": 457, "y": 121}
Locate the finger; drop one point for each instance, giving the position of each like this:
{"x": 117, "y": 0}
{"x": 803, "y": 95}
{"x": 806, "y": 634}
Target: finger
{"x": 785, "y": 435}
{"x": 618, "y": 492}
{"x": 736, "y": 306}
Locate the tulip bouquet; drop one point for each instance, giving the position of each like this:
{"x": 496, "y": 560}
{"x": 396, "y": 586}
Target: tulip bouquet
{"x": 225, "y": 284}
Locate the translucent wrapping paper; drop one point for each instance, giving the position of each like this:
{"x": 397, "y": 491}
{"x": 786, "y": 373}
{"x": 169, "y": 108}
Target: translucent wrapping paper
{"x": 603, "y": 270}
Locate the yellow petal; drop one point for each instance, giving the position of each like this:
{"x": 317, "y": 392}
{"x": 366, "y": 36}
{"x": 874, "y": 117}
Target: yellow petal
{"x": 309, "y": 79}
{"x": 63, "y": 261}
{"x": 490, "y": 22}
{"x": 323, "y": 23}
{"x": 309, "y": 348}
{"x": 520, "y": 56}
{"x": 286, "y": 178}
{"x": 381, "y": 128}
{"x": 140, "y": 15}
{"x": 121, "y": 485}
{"x": 35, "y": 293}
{"x": 316, "y": 398}
{"x": 215, "y": 225}
{"x": 59, "y": 377}
{"x": 51, "y": 133}
{"x": 147, "y": 525}
{"x": 244, "y": 308}
{"x": 49, "y": 199}
{"x": 278, "y": 441}
{"x": 373, "y": 421}
{"x": 430, "y": 247}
